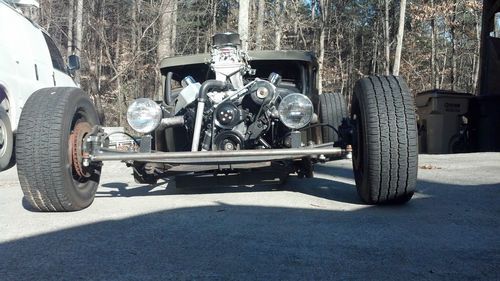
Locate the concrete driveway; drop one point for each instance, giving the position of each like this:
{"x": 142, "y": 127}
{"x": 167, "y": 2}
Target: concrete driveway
{"x": 309, "y": 230}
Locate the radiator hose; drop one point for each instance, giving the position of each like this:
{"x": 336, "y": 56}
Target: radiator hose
{"x": 206, "y": 87}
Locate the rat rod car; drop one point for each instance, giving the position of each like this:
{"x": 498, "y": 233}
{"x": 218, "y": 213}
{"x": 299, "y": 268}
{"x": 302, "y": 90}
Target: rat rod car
{"x": 228, "y": 112}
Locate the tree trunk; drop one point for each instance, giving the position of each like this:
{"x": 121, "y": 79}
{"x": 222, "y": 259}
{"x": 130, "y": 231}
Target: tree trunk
{"x": 313, "y": 9}
{"x": 453, "y": 79}
{"x": 214, "y": 17}
{"x": 166, "y": 39}
{"x": 135, "y": 45}
{"x": 197, "y": 39}
{"x": 277, "y": 26}
{"x": 352, "y": 65}
{"x": 340, "y": 63}
{"x": 296, "y": 23}
{"x": 375, "y": 50}
{"x": 252, "y": 22}
{"x": 260, "y": 24}
{"x": 71, "y": 13}
{"x": 243, "y": 23}
{"x": 121, "y": 100}
{"x": 434, "y": 76}
{"x": 399, "y": 45}
{"x": 443, "y": 69}
{"x": 280, "y": 9}
{"x": 174, "y": 25}
{"x": 386, "y": 38}
{"x": 78, "y": 33}
{"x": 361, "y": 54}
{"x": 321, "y": 59}
{"x": 135, "y": 26}
{"x": 213, "y": 26}
{"x": 477, "y": 59}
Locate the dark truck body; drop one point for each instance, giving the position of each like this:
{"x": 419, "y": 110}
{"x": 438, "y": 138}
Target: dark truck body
{"x": 298, "y": 70}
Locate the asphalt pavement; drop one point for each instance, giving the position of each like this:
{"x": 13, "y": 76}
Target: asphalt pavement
{"x": 312, "y": 229}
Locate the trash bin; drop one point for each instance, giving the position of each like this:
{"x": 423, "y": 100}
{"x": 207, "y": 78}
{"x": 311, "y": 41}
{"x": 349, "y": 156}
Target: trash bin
{"x": 443, "y": 121}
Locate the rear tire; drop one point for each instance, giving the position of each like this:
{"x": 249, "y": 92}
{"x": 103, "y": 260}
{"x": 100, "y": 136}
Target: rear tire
{"x": 332, "y": 110}
{"x": 385, "y": 150}
{"x": 47, "y": 162}
{"x": 7, "y": 159}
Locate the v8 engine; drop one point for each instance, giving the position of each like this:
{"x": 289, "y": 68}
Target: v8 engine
{"x": 235, "y": 111}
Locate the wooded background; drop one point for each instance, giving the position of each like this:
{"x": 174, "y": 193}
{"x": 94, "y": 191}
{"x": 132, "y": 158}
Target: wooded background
{"x": 120, "y": 42}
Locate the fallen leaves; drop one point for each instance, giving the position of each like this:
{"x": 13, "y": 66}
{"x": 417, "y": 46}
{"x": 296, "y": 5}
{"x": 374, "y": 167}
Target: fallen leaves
{"x": 429, "y": 167}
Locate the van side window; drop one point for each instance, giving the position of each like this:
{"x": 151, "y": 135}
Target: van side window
{"x": 55, "y": 55}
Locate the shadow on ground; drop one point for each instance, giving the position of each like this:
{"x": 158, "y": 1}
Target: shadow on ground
{"x": 446, "y": 232}
{"x": 331, "y": 189}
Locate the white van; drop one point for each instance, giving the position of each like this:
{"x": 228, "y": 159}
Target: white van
{"x": 29, "y": 60}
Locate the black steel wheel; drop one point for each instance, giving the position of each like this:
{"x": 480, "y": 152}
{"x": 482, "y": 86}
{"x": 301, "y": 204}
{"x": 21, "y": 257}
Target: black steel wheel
{"x": 385, "y": 150}
{"x": 53, "y": 125}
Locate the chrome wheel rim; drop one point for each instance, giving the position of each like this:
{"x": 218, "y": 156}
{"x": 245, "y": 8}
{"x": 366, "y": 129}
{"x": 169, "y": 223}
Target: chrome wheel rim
{"x": 3, "y": 138}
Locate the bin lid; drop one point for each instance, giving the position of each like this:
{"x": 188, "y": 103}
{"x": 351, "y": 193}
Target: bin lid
{"x": 422, "y": 99}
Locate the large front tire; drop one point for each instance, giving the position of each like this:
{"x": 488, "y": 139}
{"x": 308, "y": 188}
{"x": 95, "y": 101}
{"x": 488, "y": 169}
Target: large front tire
{"x": 385, "y": 151}
{"x": 52, "y": 127}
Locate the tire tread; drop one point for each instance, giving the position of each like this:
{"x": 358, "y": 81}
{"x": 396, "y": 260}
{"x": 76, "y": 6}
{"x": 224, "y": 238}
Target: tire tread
{"x": 391, "y": 134}
{"x": 39, "y": 149}
{"x": 333, "y": 110}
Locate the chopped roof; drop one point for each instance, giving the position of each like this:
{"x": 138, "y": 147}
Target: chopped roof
{"x": 254, "y": 55}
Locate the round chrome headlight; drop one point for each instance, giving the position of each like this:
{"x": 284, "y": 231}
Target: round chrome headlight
{"x": 295, "y": 111}
{"x": 144, "y": 115}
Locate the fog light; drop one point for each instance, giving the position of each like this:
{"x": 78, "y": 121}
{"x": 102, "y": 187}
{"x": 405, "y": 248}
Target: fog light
{"x": 144, "y": 115}
{"x": 295, "y": 111}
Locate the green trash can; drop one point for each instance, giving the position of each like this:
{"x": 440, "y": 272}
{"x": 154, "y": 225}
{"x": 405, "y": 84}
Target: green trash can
{"x": 442, "y": 121}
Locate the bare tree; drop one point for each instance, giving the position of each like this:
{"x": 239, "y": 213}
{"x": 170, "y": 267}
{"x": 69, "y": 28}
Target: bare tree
{"x": 167, "y": 36}
{"x": 314, "y": 4}
{"x": 71, "y": 8}
{"x": 279, "y": 15}
{"x": 401, "y": 30}
{"x": 387, "y": 43}
{"x": 243, "y": 23}
{"x": 453, "y": 34}
{"x": 168, "y": 29}
{"x": 434, "y": 76}
{"x": 260, "y": 24}
{"x": 122, "y": 42}
{"x": 475, "y": 79}
{"x": 323, "y": 6}
{"x": 78, "y": 32}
